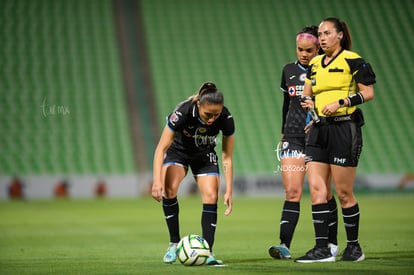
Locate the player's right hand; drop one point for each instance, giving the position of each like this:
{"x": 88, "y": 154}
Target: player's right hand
{"x": 157, "y": 191}
{"x": 308, "y": 126}
{"x": 306, "y": 102}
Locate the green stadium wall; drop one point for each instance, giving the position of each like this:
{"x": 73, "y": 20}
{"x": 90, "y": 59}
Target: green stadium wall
{"x": 64, "y": 109}
{"x": 242, "y": 45}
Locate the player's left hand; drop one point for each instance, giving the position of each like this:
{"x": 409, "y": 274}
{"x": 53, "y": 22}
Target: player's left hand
{"x": 229, "y": 203}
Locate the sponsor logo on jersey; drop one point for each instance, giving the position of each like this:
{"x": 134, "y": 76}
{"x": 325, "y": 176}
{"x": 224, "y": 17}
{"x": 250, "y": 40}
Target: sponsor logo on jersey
{"x": 202, "y": 130}
{"x": 292, "y": 90}
{"x": 295, "y": 90}
{"x": 174, "y": 118}
{"x": 186, "y": 133}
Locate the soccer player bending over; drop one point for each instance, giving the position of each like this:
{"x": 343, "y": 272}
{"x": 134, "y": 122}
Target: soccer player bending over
{"x": 188, "y": 140}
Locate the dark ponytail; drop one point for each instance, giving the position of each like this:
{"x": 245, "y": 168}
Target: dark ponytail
{"x": 341, "y": 26}
{"x": 208, "y": 93}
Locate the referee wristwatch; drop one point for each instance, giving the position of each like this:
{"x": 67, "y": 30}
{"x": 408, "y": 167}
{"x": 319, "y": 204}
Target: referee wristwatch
{"x": 341, "y": 103}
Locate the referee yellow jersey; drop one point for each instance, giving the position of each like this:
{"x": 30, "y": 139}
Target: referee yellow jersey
{"x": 338, "y": 79}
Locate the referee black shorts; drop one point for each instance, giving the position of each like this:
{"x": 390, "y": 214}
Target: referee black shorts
{"x": 201, "y": 163}
{"x": 338, "y": 143}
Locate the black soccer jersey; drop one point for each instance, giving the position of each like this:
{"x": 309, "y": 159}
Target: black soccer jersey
{"x": 292, "y": 83}
{"x": 192, "y": 135}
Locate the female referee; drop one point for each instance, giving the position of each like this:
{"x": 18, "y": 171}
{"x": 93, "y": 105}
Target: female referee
{"x": 188, "y": 140}
{"x": 339, "y": 80}
{"x": 292, "y": 153}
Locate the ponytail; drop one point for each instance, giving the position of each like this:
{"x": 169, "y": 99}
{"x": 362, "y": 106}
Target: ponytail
{"x": 341, "y": 26}
{"x": 208, "y": 93}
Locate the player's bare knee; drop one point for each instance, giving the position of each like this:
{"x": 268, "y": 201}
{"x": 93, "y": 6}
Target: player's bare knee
{"x": 346, "y": 199}
{"x": 209, "y": 198}
{"x": 293, "y": 194}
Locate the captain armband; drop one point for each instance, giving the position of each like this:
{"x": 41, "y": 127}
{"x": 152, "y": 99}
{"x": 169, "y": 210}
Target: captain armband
{"x": 355, "y": 99}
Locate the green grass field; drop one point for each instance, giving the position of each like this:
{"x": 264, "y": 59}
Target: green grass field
{"x": 129, "y": 236}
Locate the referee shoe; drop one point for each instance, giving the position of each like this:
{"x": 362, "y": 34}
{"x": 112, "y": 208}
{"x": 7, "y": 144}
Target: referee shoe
{"x": 353, "y": 253}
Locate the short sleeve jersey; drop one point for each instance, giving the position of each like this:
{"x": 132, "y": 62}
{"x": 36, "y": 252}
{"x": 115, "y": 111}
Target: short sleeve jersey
{"x": 192, "y": 135}
{"x": 293, "y": 79}
{"x": 338, "y": 79}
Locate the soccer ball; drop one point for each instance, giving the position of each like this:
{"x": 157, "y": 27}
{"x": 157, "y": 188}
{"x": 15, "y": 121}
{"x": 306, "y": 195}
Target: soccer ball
{"x": 193, "y": 250}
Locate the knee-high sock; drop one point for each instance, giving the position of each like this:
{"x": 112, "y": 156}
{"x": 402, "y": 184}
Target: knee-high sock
{"x": 288, "y": 221}
{"x": 351, "y": 222}
{"x": 333, "y": 221}
{"x": 208, "y": 223}
{"x": 320, "y": 213}
{"x": 171, "y": 210}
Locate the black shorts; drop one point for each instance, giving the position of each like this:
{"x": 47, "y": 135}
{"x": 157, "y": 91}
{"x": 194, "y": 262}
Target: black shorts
{"x": 337, "y": 143}
{"x": 201, "y": 164}
{"x": 292, "y": 147}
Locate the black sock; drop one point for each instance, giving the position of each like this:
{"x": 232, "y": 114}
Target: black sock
{"x": 171, "y": 210}
{"x": 288, "y": 221}
{"x": 333, "y": 221}
{"x": 351, "y": 222}
{"x": 320, "y": 213}
{"x": 208, "y": 223}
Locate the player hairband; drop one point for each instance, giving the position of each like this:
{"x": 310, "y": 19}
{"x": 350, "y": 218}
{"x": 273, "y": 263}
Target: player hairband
{"x": 307, "y": 36}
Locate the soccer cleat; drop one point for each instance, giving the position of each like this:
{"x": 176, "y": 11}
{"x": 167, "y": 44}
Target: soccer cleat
{"x": 353, "y": 253}
{"x": 279, "y": 252}
{"x": 211, "y": 260}
{"x": 171, "y": 254}
{"x": 334, "y": 249}
{"x": 317, "y": 255}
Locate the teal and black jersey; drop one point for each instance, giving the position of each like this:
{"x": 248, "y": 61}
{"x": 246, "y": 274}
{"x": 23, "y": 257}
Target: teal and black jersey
{"x": 294, "y": 116}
